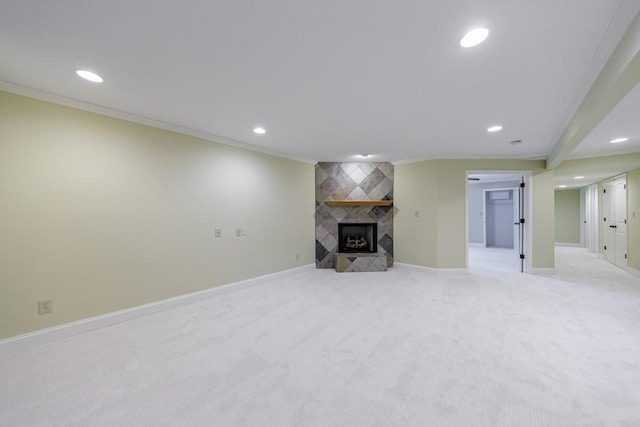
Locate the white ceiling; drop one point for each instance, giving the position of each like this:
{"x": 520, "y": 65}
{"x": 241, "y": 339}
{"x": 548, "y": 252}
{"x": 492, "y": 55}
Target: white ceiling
{"x": 328, "y": 79}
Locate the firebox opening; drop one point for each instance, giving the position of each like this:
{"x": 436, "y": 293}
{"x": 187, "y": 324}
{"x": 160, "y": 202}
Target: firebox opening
{"x": 358, "y": 237}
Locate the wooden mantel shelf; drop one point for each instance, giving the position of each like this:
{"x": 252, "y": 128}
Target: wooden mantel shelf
{"x": 359, "y": 202}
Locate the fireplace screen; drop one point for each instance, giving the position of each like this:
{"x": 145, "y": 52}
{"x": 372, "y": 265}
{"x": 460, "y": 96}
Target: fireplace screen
{"x": 357, "y": 237}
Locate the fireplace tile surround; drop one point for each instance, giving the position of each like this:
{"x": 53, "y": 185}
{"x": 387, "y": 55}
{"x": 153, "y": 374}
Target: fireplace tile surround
{"x": 352, "y": 181}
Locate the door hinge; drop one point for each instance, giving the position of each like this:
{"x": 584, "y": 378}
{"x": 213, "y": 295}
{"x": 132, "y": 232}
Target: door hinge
{"x": 522, "y": 185}
{"x": 605, "y": 219}
{"x": 605, "y": 247}
{"x": 521, "y": 256}
{"x": 625, "y": 186}
{"x": 625, "y": 256}
{"x": 625, "y": 221}
{"x": 604, "y": 190}
{"x": 521, "y": 220}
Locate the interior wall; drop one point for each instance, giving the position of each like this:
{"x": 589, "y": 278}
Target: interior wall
{"x": 415, "y": 213}
{"x": 437, "y": 190}
{"x": 567, "y": 216}
{"x": 475, "y": 206}
{"x": 633, "y": 218}
{"x": 100, "y": 214}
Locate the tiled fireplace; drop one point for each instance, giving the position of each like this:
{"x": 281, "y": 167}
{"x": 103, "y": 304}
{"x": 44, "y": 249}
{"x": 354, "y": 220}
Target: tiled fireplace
{"x": 357, "y": 238}
{"x": 367, "y": 229}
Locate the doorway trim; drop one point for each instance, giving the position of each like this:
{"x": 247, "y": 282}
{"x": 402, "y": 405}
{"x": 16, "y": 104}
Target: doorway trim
{"x": 528, "y": 212}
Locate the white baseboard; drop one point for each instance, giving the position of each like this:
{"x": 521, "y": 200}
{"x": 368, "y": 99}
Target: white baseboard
{"x": 431, "y": 270}
{"x": 632, "y": 271}
{"x": 543, "y": 271}
{"x": 54, "y": 333}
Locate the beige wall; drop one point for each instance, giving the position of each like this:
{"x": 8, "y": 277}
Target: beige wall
{"x": 437, "y": 189}
{"x": 567, "y": 216}
{"x": 415, "y": 214}
{"x": 100, "y": 214}
{"x": 633, "y": 218}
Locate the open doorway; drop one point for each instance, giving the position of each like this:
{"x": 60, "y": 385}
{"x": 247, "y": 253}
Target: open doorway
{"x": 497, "y": 229}
{"x": 501, "y": 213}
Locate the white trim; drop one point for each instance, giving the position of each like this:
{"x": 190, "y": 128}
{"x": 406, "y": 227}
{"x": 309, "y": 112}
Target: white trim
{"x": 476, "y": 245}
{"x": 135, "y": 118}
{"x": 632, "y": 271}
{"x": 54, "y": 333}
{"x": 573, "y": 245}
{"x": 431, "y": 270}
{"x": 543, "y": 271}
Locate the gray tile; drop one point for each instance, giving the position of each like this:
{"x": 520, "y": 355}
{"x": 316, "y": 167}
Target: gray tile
{"x": 384, "y": 189}
{"x": 386, "y": 242}
{"x": 387, "y": 169}
{"x": 372, "y": 180}
{"x": 329, "y": 186}
{"x": 321, "y": 174}
{"x": 367, "y": 168}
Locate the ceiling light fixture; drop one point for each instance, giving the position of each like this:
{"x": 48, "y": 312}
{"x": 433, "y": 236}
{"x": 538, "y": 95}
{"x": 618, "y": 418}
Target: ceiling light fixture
{"x": 562, "y": 186}
{"x": 615, "y": 141}
{"x": 495, "y": 128}
{"x": 89, "y": 75}
{"x": 259, "y": 131}
{"x": 578, "y": 177}
{"x": 474, "y": 37}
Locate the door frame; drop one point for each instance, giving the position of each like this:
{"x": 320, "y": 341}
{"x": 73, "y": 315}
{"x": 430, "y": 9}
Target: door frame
{"x": 528, "y": 211}
{"x": 591, "y": 219}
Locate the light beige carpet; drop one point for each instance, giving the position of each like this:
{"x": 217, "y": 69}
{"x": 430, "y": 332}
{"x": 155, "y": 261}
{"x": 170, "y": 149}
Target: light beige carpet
{"x": 399, "y": 348}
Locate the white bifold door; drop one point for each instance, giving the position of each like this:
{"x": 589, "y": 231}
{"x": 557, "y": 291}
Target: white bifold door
{"x": 614, "y": 200}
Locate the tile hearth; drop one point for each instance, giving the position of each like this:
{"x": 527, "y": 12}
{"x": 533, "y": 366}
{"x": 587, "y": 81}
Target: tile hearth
{"x": 357, "y": 262}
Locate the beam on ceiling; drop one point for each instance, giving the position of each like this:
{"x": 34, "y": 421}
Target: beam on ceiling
{"x": 619, "y": 75}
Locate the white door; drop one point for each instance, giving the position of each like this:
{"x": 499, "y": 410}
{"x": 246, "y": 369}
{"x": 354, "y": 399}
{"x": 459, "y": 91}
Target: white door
{"x": 615, "y": 221}
{"x": 621, "y": 222}
{"x": 591, "y": 219}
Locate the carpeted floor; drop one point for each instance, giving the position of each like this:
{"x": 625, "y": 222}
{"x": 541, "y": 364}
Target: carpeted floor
{"x": 401, "y": 348}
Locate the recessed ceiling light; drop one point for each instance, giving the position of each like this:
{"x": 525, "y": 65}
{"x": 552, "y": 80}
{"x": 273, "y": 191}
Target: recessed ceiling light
{"x": 562, "y": 186}
{"x": 474, "y": 37}
{"x": 615, "y": 141}
{"x": 89, "y": 75}
{"x": 364, "y": 156}
{"x": 495, "y": 128}
{"x": 259, "y": 131}
{"x": 578, "y": 177}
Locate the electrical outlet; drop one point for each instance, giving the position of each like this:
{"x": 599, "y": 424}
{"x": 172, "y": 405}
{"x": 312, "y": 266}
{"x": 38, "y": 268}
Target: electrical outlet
{"x": 218, "y": 232}
{"x": 44, "y": 306}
